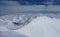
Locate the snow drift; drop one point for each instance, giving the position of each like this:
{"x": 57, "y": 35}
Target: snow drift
{"x": 42, "y": 27}
{"x": 4, "y": 32}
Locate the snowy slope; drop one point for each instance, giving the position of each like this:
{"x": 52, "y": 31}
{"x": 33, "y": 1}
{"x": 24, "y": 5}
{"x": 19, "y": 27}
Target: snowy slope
{"x": 42, "y": 27}
{"x": 4, "y": 32}
{"x": 14, "y": 22}
{"x": 34, "y": 25}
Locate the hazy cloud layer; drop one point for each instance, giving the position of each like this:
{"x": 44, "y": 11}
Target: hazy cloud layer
{"x": 14, "y": 7}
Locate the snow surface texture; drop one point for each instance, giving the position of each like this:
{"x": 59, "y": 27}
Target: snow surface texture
{"x": 8, "y": 33}
{"x": 41, "y": 26}
{"x": 14, "y": 22}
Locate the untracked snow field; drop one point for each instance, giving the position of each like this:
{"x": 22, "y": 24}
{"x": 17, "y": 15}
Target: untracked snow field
{"x": 42, "y": 27}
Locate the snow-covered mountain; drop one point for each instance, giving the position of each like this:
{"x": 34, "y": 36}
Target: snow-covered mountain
{"x": 32, "y": 25}
{"x": 14, "y": 22}
{"x": 42, "y": 26}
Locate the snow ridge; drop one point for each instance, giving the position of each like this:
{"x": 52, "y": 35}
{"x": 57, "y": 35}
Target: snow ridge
{"x": 42, "y": 27}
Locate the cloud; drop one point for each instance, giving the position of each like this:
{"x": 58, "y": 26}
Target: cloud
{"x": 9, "y": 3}
{"x": 14, "y": 7}
{"x": 54, "y": 7}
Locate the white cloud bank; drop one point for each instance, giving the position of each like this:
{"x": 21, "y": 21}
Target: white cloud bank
{"x": 14, "y": 6}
